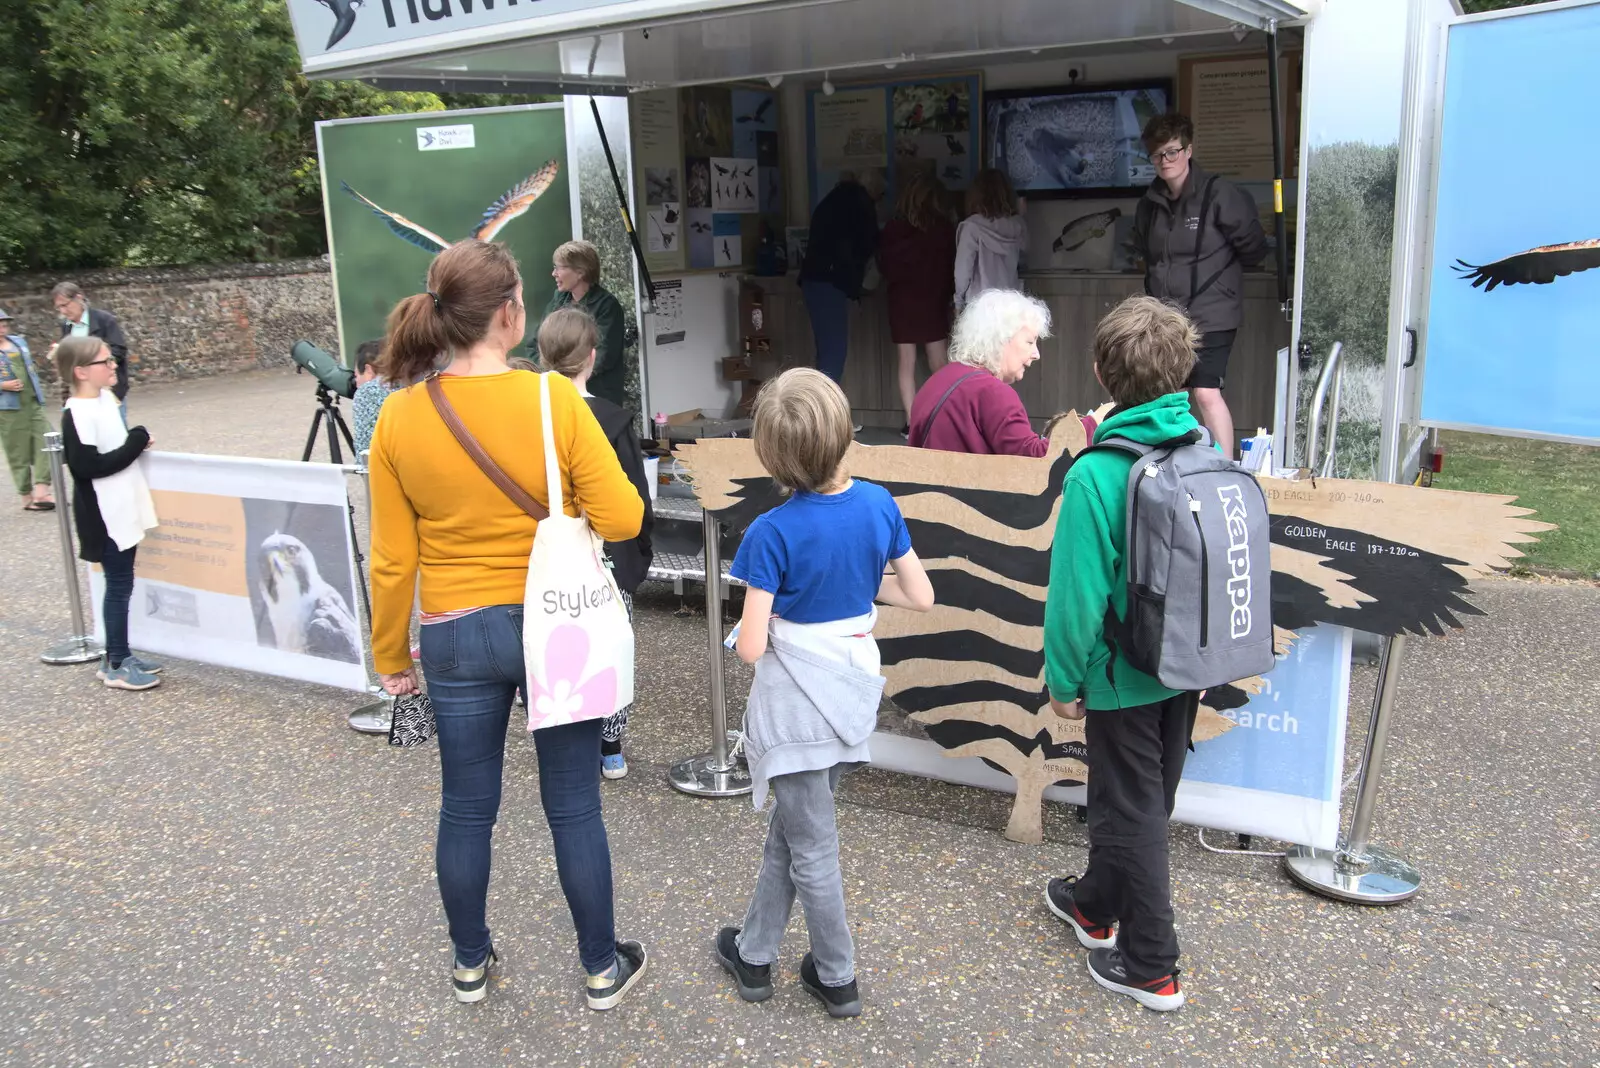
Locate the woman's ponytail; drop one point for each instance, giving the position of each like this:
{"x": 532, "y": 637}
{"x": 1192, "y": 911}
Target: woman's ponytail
{"x": 467, "y": 284}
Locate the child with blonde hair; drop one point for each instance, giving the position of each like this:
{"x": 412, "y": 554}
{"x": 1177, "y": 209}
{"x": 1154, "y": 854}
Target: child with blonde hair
{"x": 814, "y": 567}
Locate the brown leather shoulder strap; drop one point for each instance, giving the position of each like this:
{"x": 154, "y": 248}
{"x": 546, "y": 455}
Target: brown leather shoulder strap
{"x": 518, "y": 495}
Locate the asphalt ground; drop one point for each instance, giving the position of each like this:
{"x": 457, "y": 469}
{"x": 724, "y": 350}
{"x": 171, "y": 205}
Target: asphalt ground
{"x": 221, "y": 872}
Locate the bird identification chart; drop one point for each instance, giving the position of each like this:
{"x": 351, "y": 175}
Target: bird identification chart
{"x": 1508, "y": 344}
{"x": 252, "y": 567}
{"x": 894, "y": 128}
{"x": 399, "y": 189}
{"x": 707, "y": 170}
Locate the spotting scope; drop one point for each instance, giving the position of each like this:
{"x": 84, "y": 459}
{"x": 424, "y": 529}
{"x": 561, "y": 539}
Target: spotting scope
{"x": 325, "y": 368}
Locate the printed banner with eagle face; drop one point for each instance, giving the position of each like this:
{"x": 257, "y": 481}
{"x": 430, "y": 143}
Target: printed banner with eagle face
{"x": 252, "y": 567}
{"x": 968, "y": 677}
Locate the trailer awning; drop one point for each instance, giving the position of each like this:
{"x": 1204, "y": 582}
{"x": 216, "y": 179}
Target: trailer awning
{"x": 580, "y": 45}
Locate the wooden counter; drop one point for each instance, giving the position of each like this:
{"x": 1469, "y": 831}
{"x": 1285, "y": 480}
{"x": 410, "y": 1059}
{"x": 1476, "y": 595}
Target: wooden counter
{"x": 1063, "y": 377}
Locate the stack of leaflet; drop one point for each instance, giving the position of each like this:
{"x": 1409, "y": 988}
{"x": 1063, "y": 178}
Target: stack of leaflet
{"x": 1257, "y": 455}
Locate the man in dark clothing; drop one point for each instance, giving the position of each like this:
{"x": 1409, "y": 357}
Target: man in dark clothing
{"x": 80, "y": 320}
{"x": 842, "y": 238}
{"x": 1198, "y": 232}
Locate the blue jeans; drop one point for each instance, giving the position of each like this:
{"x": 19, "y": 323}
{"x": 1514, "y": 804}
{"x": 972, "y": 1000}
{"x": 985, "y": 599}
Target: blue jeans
{"x": 474, "y": 666}
{"x": 118, "y": 567}
{"x": 829, "y": 310}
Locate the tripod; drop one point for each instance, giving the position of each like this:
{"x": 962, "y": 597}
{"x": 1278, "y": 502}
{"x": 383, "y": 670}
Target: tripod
{"x": 328, "y": 414}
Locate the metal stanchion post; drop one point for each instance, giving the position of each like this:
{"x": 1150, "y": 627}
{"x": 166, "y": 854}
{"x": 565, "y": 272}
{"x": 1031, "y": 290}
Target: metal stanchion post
{"x": 373, "y": 718}
{"x": 1358, "y": 871}
{"x": 81, "y": 647}
{"x": 717, "y": 773}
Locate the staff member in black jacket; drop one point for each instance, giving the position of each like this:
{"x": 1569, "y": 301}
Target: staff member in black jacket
{"x": 80, "y": 320}
{"x": 1198, "y": 232}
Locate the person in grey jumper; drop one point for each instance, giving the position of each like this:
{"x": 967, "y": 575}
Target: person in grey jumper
{"x": 1197, "y": 232}
{"x": 814, "y": 567}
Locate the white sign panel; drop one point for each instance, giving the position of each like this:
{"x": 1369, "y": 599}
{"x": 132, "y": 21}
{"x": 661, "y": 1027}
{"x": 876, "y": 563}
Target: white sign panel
{"x": 434, "y": 138}
{"x": 252, "y": 567}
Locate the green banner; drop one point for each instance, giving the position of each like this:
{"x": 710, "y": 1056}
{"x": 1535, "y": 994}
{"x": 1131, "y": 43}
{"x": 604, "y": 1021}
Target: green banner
{"x": 399, "y": 189}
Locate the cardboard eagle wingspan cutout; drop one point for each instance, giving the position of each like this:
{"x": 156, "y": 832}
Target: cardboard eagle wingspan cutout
{"x": 1385, "y": 558}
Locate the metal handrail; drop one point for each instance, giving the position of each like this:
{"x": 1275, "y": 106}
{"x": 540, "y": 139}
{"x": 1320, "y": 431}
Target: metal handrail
{"x": 1332, "y": 376}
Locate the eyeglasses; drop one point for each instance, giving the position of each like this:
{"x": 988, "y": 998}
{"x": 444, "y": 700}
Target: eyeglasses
{"x": 97, "y": 363}
{"x": 1167, "y": 155}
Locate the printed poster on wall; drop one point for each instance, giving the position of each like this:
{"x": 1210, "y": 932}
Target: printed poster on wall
{"x": 252, "y": 567}
{"x": 658, "y": 164}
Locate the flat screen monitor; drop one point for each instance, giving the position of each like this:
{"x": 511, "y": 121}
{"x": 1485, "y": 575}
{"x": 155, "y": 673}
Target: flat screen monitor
{"x": 1073, "y": 141}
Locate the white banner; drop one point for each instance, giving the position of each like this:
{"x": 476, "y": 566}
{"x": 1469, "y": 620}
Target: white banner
{"x": 1275, "y": 773}
{"x": 252, "y": 567}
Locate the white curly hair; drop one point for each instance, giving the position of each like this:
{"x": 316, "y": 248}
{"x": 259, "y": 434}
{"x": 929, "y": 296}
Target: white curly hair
{"x": 989, "y": 323}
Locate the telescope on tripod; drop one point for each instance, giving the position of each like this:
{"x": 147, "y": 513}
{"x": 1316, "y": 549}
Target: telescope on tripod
{"x": 334, "y": 380}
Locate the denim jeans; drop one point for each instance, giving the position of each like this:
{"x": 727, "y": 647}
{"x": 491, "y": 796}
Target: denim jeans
{"x": 829, "y": 311}
{"x": 473, "y": 665}
{"x": 118, "y": 567}
{"x": 801, "y": 859}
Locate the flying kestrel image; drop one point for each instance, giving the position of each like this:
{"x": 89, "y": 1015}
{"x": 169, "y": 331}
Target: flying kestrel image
{"x": 516, "y": 201}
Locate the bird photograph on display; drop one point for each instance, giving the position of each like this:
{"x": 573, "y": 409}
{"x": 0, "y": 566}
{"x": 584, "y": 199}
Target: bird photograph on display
{"x": 306, "y": 614}
{"x": 516, "y": 201}
{"x": 969, "y": 675}
{"x": 1536, "y": 266}
{"x": 955, "y": 146}
{"x": 760, "y": 113}
{"x": 1085, "y": 228}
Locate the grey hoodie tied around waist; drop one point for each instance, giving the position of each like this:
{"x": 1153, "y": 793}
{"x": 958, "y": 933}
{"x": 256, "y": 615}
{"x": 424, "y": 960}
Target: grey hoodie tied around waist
{"x": 807, "y": 712}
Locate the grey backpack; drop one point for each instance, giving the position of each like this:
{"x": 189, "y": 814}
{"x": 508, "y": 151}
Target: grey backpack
{"x": 1199, "y": 566}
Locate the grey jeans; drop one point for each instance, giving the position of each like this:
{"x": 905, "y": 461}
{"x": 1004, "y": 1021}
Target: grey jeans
{"x": 802, "y": 858}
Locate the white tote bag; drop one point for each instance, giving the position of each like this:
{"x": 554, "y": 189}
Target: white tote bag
{"x": 577, "y": 643}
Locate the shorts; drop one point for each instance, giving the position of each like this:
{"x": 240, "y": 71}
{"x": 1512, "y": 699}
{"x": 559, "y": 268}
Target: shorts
{"x": 1211, "y": 363}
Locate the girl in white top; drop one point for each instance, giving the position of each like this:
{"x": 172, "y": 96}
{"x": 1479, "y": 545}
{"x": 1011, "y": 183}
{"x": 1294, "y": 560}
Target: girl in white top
{"x": 111, "y": 503}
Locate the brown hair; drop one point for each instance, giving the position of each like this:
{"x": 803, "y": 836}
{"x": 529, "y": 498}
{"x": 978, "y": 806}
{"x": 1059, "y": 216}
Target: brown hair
{"x": 467, "y": 284}
{"x": 922, "y": 200}
{"x": 521, "y": 363}
{"x": 73, "y": 353}
{"x": 1143, "y": 349}
{"x": 802, "y": 429}
{"x": 581, "y": 257}
{"x": 567, "y": 339}
{"x": 989, "y": 195}
{"x": 1163, "y": 128}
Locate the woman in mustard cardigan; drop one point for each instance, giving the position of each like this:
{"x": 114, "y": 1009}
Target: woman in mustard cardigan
{"x": 436, "y": 513}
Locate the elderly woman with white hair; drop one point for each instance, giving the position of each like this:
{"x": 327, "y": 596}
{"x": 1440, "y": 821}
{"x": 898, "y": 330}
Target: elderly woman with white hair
{"x": 969, "y": 405}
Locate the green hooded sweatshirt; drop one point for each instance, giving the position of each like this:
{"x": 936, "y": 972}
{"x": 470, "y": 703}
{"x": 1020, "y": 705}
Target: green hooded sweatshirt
{"x": 1088, "y": 564}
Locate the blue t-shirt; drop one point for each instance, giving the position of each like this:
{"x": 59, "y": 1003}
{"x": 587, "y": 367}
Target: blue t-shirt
{"x": 822, "y": 556}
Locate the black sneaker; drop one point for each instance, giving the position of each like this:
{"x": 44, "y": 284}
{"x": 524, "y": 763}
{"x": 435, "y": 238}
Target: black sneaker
{"x": 1058, "y": 895}
{"x": 1107, "y": 969}
{"x": 754, "y": 980}
{"x": 905, "y": 431}
{"x": 472, "y": 984}
{"x": 839, "y": 1000}
{"x": 604, "y": 993}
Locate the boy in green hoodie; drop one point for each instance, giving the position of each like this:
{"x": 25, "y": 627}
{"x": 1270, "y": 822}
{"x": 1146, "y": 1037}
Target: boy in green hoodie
{"x": 1137, "y": 729}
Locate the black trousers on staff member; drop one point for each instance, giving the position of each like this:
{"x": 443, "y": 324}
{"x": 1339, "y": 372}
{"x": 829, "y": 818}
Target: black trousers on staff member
{"x": 1135, "y": 760}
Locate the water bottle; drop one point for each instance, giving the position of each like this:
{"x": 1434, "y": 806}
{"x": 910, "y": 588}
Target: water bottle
{"x": 661, "y": 428}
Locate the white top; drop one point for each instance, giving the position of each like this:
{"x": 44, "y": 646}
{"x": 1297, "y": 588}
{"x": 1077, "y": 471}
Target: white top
{"x": 125, "y": 502}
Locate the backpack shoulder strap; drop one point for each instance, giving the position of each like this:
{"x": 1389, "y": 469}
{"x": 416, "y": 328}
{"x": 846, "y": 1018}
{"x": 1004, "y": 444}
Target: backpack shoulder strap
{"x": 928, "y": 424}
{"x": 1143, "y": 215}
{"x": 1199, "y": 233}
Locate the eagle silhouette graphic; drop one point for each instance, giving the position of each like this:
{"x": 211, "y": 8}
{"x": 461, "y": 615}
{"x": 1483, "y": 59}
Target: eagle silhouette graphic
{"x": 517, "y": 200}
{"x": 344, "y": 17}
{"x": 1537, "y": 266}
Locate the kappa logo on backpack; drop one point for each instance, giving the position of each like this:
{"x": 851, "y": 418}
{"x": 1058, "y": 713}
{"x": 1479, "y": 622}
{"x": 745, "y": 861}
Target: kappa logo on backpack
{"x": 1199, "y": 566}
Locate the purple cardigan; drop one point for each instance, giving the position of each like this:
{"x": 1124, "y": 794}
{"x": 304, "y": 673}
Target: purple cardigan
{"x": 982, "y": 415}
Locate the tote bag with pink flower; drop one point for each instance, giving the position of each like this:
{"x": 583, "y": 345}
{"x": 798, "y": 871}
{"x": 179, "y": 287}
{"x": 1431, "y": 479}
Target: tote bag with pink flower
{"x": 577, "y": 642}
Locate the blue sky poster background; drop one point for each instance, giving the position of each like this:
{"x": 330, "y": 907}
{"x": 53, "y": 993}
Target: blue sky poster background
{"x": 1518, "y": 138}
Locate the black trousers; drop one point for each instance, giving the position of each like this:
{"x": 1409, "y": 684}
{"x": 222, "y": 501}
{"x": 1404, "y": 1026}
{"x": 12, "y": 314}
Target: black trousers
{"x": 1135, "y": 760}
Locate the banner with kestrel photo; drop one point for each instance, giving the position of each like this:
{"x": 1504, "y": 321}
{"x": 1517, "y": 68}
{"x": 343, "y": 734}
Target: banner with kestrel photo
{"x": 252, "y": 567}
{"x": 398, "y": 189}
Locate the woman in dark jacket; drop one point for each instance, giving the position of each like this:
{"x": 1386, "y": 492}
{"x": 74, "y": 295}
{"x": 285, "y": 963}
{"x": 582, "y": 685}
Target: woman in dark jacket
{"x": 917, "y": 255}
{"x": 567, "y": 340}
{"x": 842, "y": 238}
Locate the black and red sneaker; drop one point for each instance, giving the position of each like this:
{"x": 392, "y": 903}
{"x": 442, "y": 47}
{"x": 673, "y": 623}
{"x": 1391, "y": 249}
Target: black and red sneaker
{"x": 1163, "y": 994}
{"x": 1058, "y": 895}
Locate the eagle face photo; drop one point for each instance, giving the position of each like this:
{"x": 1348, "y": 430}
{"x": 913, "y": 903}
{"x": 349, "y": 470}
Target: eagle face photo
{"x": 306, "y": 614}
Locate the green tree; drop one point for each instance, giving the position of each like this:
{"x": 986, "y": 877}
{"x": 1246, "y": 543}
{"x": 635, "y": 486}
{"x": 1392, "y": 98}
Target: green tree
{"x": 164, "y": 131}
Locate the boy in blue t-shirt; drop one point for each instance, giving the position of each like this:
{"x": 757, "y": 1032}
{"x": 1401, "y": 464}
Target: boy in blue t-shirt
{"x": 814, "y": 566}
